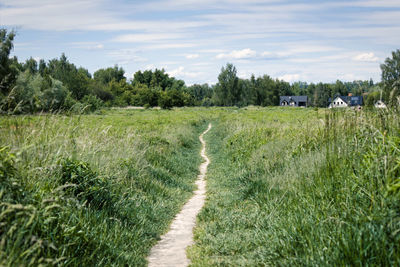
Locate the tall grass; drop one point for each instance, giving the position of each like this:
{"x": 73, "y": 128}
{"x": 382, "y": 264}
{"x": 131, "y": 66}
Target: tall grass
{"x": 285, "y": 186}
{"x": 301, "y": 187}
{"x": 93, "y": 189}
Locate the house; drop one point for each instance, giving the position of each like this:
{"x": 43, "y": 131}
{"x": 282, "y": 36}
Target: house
{"x": 294, "y": 101}
{"x": 380, "y": 104}
{"x": 345, "y": 101}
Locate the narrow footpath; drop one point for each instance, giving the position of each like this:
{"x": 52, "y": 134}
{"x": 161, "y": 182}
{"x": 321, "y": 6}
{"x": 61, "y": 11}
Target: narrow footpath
{"x": 171, "y": 249}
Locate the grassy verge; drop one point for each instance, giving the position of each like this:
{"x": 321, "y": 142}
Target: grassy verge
{"x": 301, "y": 187}
{"x": 93, "y": 189}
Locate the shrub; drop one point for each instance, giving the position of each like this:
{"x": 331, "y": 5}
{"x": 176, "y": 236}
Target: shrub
{"x": 53, "y": 98}
{"x": 79, "y": 180}
{"x": 92, "y": 102}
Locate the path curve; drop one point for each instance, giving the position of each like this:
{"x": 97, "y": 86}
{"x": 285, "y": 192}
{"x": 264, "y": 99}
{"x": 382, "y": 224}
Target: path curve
{"x": 171, "y": 249}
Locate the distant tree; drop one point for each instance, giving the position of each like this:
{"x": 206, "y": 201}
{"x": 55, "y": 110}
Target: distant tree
{"x": 145, "y": 96}
{"x": 76, "y": 81}
{"x": 265, "y": 89}
{"x": 391, "y": 77}
{"x": 8, "y": 68}
{"x": 321, "y": 95}
{"x": 283, "y": 88}
{"x": 30, "y": 65}
{"x": 107, "y": 75}
{"x": 101, "y": 90}
{"x": 42, "y": 68}
{"x": 227, "y": 90}
{"x": 339, "y": 89}
{"x": 248, "y": 93}
{"x": 200, "y": 92}
{"x": 157, "y": 79}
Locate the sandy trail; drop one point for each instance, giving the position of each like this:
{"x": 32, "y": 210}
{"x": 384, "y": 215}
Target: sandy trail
{"x": 171, "y": 249}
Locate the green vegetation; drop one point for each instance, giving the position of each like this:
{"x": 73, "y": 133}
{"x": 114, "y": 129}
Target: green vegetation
{"x": 93, "y": 189}
{"x": 59, "y": 85}
{"x": 286, "y": 186}
{"x": 301, "y": 187}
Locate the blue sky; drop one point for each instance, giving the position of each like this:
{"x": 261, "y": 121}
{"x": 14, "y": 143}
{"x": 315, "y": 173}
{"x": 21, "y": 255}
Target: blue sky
{"x": 292, "y": 40}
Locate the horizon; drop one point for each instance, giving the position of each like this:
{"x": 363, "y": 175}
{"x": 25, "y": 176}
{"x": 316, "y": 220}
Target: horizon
{"x": 308, "y": 41}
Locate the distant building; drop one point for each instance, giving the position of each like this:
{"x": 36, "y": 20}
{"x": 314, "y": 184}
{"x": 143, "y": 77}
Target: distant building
{"x": 380, "y": 104}
{"x": 345, "y": 101}
{"x": 294, "y": 101}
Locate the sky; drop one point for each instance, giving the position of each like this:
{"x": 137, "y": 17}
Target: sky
{"x": 296, "y": 40}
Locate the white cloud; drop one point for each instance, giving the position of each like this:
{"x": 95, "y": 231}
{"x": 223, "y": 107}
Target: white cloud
{"x": 192, "y": 56}
{"x": 238, "y": 54}
{"x": 168, "y": 46}
{"x": 366, "y": 57}
{"x": 274, "y": 55}
{"x": 290, "y": 77}
{"x": 147, "y": 37}
{"x": 149, "y": 67}
{"x": 125, "y": 56}
{"x": 88, "y": 45}
{"x": 180, "y": 72}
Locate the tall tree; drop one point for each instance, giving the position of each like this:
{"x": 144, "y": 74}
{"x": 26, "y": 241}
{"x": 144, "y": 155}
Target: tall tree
{"x": 76, "y": 80}
{"x": 227, "y": 90}
{"x": 31, "y": 65}
{"x": 8, "y": 71}
{"x": 105, "y": 76}
{"x": 391, "y": 77}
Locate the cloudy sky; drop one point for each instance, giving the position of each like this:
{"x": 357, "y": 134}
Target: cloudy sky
{"x": 293, "y": 40}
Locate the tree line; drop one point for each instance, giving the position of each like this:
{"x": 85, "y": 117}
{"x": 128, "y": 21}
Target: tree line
{"x": 58, "y": 84}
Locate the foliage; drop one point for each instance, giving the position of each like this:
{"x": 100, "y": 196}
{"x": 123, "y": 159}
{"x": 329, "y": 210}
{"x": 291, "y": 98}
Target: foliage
{"x": 78, "y": 179}
{"x": 372, "y": 98}
{"x": 54, "y": 98}
{"x": 157, "y": 79}
{"x": 391, "y": 77}
{"x": 25, "y": 94}
{"x": 92, "y": 102}
{"x": 227, "y": 90}
{"x": 155, "y": 87}
{"x": 105, "y": 76}
{"x": 76, "y": 80}
{"x": 8, "y": 70}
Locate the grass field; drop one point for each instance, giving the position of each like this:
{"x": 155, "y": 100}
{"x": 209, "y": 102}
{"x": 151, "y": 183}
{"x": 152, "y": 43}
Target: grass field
{"x": 93, "y": 189}
{"x": 285, "y": 186}
{"x": 301, "y": 187}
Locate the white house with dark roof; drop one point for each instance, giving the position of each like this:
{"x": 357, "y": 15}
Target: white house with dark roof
{"x": 338, "y": 102}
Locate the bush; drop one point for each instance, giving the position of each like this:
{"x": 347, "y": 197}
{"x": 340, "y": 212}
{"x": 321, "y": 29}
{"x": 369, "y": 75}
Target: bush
{"x": 24, "y": 96}
{"x": 165, "y": 101}
{"x": 84, "y": 184}
{"x": 92, "y": 102}
{"x": 53, "y": 98}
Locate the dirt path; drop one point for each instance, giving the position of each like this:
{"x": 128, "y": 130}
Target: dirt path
{"x": 171, "y": 249}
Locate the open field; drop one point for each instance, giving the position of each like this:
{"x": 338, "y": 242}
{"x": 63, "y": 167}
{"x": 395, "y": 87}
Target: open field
{"x": 301, "y": 187}
{"x": 285, "y": 186}
{"x": 93, "y": 189}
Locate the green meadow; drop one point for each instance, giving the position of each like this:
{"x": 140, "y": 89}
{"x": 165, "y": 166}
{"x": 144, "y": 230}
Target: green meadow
{"x": 286, "y": 186}
{"x": 301, "y": 187}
